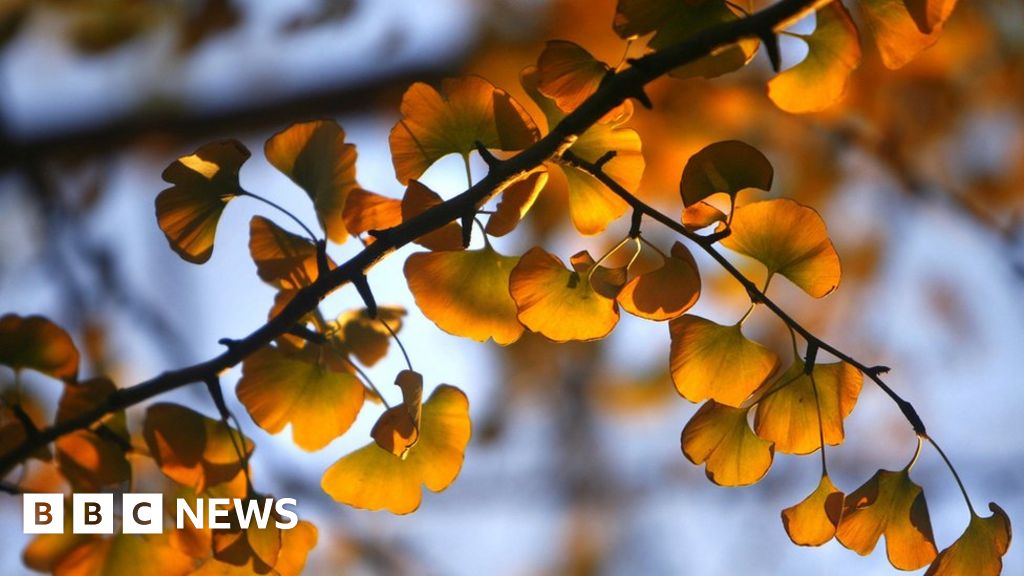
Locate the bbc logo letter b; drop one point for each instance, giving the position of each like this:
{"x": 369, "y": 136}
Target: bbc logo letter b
{"x": 43, "y": 513}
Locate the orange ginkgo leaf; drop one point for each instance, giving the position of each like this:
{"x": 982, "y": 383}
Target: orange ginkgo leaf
{"x": 568, "y": 75}
{"x": 788, "y": 413}
{"x": 728, "y": 166}
{"x": 466, "y": 293}
{"x": 398, "y": 428}
{"x": 701, "y": 215}
{"x": 895, "y": 32}
{"x": 279, "y": 388}
{"x": 709, "y": 360}
{"x": 260, "y": 551}
{"x": 36, "y": 343}
{"x": 789, "y": 239}
{"x": 665, "y": 292}
{"x": 813, "y": 521}
{"x": 833, "y": 53}
{"x": 366, "y": 337}
{"x": 470, "y": 110}
{"x": 673, "y": 22}
{"x": 78, "y": 399}
{"x": 889, "y": 503}
{"x": 563, "y": 304}
{"x": 979, "y": 550}
{"x": 376, "y": 479}
{"x": 365, "y": 211}
{"x": 142, "y": 555}
{"x": 191, "y": 449}
{"x": 91, "y": 462}
{"x": 203, "y": 184}
{"x": 516, "y": 201}
{"x": 720, "y": 437}
{"x": 930, "y": 14}
{"x": 417, "y": 200}
{"x": 45, "y": 551}
{"x": 317, "y": 158}
{"x": 284, "y": 260}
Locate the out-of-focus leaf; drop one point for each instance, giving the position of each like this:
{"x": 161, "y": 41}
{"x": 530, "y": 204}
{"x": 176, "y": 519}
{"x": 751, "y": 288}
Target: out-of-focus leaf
{"x": 141, "y": 555}
{"x": 728, "y": 166}
{"x": 284, "y": 260}
{"x": 417, "y": 200}
{"x": 516, "y": 201}
{"x": 813, "y": 521}
{"x": 720, "y": 437}
{"x": 376, "y": 479}
{"x": 80, "y": 398}
{"x": 979, "y": 550}
{"x": 91, "y": 462}
{"x": 317, "y": 158}
{"x": 278, "y": 388}
{"x": 896, "y": 34}
{"x": 470, "y": 110}
{"x": 36, "y": 343}
{"x": 789, "y": 239}
{"x": 929, "y": 14}
{"x": 202, "y": 185}
{"x": 398, "y": 428}
{"x": 891, "y": 504}
{"x": 366, "y": 337}
{"x": 568, "y": 75}
{"x": 45, "y": 551}
{"x": 666, "y": 292}
{"x": 12, "y": 15}
{"x": 365, "y": 211}
{"x": 709, "y": 360}
{"x": 833, "y": 53}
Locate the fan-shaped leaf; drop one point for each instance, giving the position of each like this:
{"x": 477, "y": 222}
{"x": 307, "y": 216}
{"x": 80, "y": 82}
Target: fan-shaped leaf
{"x": 728, "y": 166}
{"x": 929, "y": 14}
{"x": 80, "y": 398}
{"x": 720, "y": 437}
{"x": 701, "y": 215}
{"x": 398, "y": 428}
{"x": 91, "y": 462}
{"x": 417, "y": 200}
{"x": 568, "y": 75}
{"x": 896, "y": 34}
{"x": 813, "y": 521}
{"x": 516, "y": 201}
{"x": 365, "y": 211}
{"x": 283, "y": 260}
{"x": 142, "y": 555}
{"x": 979, "y": 550}
{"x": 366, "y": 337}
{"x": 666, "y": 292}
{"x": 36, "y": 343}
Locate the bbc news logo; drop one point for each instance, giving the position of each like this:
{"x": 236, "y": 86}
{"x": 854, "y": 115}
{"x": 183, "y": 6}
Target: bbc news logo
{"x": 144, "y": 514}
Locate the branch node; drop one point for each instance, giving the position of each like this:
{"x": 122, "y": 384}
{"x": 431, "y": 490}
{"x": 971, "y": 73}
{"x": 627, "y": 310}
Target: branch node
{"x": 322, "y": 265}
{"x": 213, "y": 386}
{"x": 604, "y": 159}
{"x": 363, "y": 287}
{"x": 716, "y": 236}
{"x": 467, "y": 228}
{"x": 491, "y": 160}
{"x": 771, "y": 46}
{"x": 307, "y": 334}
{"x": 634, "y": 224}
{"x": 877, "y": 370}
{"x": 642, "y": 97}
{"x": 230, "y": 343}
{"x": 811, "y": 357}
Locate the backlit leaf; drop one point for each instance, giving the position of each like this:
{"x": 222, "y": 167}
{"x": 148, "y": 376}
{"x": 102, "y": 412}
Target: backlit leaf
{"x": 813, "y": 521}
{"x": 896, "y": 34}
{"x": 979, "y": 550}
{"x": 568, "y": 74}
{"x": 666, "y": 292}
{"x": 317, "y": 158}
{"x": 709, "y": 360}
{"x": 891, "y": 504}
{"x": 203, "y": 184}
{"x": 720, "y": 437}
{"x": 789, "y": 239}
{"x": 365, "y": 211}
{"x": 278, "y": 388}
{"x": 36, "y": 343}
{"x": 701, "y": 215}
{"x": 376, "y": 479}
{"x": 398, "y": 428}
{"x": 788, "y": 414}
{"x": 366, "y": 337}
{"x": 728, "y": 166}
{"x": 516, "y": 201}
{"x": 417, "y": 200}
{"x": 283, "y": 260}
{"x": 930, "y": 14}
{"x": 559, "y": 303}
{"x": 91, "y": 462}
{"x": 833, "y": 53}
{"x": 466, "y": 293}
{"x": 139, "y": 555}
{"x": 470, "y": 110}
{"x": 83, "y": 397}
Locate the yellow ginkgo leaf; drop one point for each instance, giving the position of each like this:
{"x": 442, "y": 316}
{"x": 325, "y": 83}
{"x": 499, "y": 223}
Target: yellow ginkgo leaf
{"x": 90, "y": 462}
{"x": 142, "y": 555}
{"x": 896, "y": 34}
{"x": 365, "y": 211}
{"x": 789, "y": 239}
{"x": 376, "y": 479}
{"x": 317, "y": 158}
{"x": 287, "y": 558}
{"x": 728, "y": 166}
{"x": 203, "y": 184}
{"x": 398, "y": 428}
{"x": 366, "y": 337}
{"x": 891, "y": 504}
{"x": 45, "y": 551}
{"x": 568, "y": 75}
{"x": 516, "y": 201}
{"x": 559, "y": 303}
{"x": 283, "y": 260}
{"x": 279, "y": 388}
{"x": 417, "y": 200}
{"x": 709, "y": 360}
{"x": 720, "y": 437}
{"x": 466, "y": 293}
{"x": 191, "y": 449}
{"x": 36, "y": 343}
{"x": 813, "y": 521}
{"x": 701, "y": 215}
{"x": 979, "y": 550}
{"x": 833, "y": 52}
{"x": 930, "y": 14}
{"x": 788, "y": 413}
{"x": 471, "y": 110}
{"x": 253, "y": 547}
{"x": 666, "y": 292}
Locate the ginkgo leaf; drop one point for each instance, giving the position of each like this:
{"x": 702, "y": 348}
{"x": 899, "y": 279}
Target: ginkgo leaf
{"x": 417, "y": 200}
{"x": 191, "y": 449}
{"x": 891, "y": 504}
{"x": 813, "y": 521}
{"x": 559, "y": 303}
{"x": 516, "y": 201}
{"x": 896, "y": 34}
{"x": 283, "y": 260}
{"x": 84, "y": 397}
{"x": 376, "y": 479}
{"x": 398, "y": 428}
{"x": 720, "y": 437}
{"x": 788, "y": 413}
{"x": 728, "y": 166}
{"x": 141, "y": 555}
{"x": 979, "y": 550}
{"x": 45, "y": 551}
{"x": 471, "y": 110}
{"x": 278, "y": 388}
{"x": 90, "y": 462}
{"x": 789, "y": 239}
{"x": 833, "y": 53}
{"x": 666, "y": 292}
{"x": 709, "y": 360}
{"x": 288, "y": 560}
{"x": 929, "y": 14}
{"x": 365, "y": 211}
{"x": 568, "y": 75}
{"x": 701, "y": 215}
{"x": 366, "y": 337}
{"x": 203, "y": 184}
{"x": 36, "y": 343}
{"x": 317, "y": 158}
{"x": 253, "y": 547}
{"x": 466, "y": 293}
{"x": 673, "y": 22}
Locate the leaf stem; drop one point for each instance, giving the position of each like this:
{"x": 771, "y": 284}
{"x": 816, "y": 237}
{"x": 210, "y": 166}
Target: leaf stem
{"x": 608, "y": 254}
{"x": 398, "y": 341}
{"x": 917, "y": 454}
{"x": 963, "y": 490}
{"x": 283, "y": 210}
{"x": 821, "y": 426}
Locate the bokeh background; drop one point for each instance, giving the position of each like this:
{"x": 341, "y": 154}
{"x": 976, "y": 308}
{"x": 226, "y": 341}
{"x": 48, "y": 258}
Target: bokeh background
{"x": 575, "y": 464}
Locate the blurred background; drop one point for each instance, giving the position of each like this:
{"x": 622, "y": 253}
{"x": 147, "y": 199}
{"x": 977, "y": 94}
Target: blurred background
{"x": 574, "y": 466}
